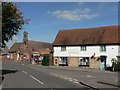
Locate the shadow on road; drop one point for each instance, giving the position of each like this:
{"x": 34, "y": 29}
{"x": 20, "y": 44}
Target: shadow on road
{"x": 3, "y": 72}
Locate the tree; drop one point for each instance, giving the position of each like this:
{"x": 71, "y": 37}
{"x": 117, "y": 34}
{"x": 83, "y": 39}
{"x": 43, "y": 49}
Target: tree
{"x": 12, "y": 21}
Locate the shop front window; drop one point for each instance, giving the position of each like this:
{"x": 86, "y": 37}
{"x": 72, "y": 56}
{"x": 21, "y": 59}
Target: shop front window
{"x": 63, "y": 61}
{"x": 84, "y": 61}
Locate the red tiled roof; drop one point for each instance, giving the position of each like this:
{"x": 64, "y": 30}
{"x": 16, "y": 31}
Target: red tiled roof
{"x": 39, "y": 45}
{"x": 32, "y": 46}
{"x": 44, "y": 51}
{"x": 15, "y": 47}
{"x": 97, "y": 35}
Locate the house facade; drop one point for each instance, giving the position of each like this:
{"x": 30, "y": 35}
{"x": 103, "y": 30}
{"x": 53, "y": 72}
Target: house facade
{"x": 89, "y": 47}
{"x": 30, "y": 51}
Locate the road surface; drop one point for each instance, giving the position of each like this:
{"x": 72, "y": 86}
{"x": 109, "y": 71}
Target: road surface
{"x": 23, "y": 75}
{"x": 20, "y": 75}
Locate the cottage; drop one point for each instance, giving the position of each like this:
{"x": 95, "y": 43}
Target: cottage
{"x": 30, "y": 51}
{"x": 88, "y": 47}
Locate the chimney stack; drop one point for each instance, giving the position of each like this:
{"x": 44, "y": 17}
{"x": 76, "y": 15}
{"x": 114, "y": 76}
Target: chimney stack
{"x": 25, "y": 38}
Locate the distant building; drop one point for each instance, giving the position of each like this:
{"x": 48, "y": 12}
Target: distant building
{"x": 30, "y": 50}
{"x": 88, "y": 47}
{"x": 4, "y": 52}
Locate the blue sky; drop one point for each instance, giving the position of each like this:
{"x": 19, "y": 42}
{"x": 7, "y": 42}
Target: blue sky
{"x": 49, "y": 17}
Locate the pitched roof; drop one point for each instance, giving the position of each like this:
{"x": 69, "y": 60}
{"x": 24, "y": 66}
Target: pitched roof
{"x": 44, "y": 51}
{"x": 96, "y": 35}
{"x": 32, "y": 46}
{"x": 36, "y": 45}
{"x": 25, "y": 49}
{"x": 15, "y": 47}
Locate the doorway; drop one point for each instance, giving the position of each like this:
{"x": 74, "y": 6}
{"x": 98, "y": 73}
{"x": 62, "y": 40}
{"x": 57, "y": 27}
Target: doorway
{"x": 103, "y": 62}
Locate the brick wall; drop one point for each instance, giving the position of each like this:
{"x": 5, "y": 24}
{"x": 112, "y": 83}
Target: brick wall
{"x": 94, "y": 63}
{"x": 73, "y": 61}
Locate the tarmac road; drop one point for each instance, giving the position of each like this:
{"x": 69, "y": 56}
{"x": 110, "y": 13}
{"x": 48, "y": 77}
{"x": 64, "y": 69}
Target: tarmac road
{"x": 19, "y": 75}
{"x": 23, "y": 75}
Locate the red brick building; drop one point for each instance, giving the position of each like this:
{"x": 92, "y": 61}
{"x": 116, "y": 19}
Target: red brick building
{"x": 29, "y": 50}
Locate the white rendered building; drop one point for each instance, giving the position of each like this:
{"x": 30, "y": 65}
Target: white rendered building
{"x": 88, "y": 47}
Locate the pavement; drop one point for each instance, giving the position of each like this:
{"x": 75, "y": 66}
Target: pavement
{"x": 81, "y": 69}
{"x": 93, "y": 83}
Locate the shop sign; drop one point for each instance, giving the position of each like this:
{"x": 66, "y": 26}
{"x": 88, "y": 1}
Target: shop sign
{"x": 36, "y": 54}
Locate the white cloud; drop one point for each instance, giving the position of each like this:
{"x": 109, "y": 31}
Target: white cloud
{"x": 75, "y": 15}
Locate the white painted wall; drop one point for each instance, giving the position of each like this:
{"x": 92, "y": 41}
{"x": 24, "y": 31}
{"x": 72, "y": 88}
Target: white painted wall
{"x": 119, "y": 50}
{"x": 74, "y": 51}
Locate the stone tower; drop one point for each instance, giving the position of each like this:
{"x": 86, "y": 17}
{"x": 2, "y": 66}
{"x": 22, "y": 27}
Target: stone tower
{"x": 25, "y": 38}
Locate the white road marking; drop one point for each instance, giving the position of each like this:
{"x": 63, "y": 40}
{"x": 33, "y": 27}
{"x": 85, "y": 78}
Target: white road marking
{"x": 36, "y": 79}
{"x": 89, "y": 76}
{"x": 70, "y": 80}
{"x": 61, "y": 77}
{"x": 25, "y": 72}
{"x": 23, "y": 64}
{"x": 66, "y": 78}
{"x": 75, "y": 80}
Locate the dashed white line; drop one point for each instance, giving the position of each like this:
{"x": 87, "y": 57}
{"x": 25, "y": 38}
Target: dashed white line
{"x": 89, "y": 76}
{"x": 70, "y": 80}
{"x": 75, "y": 80}
{"x": 25, "y": 72}
{"x": 23, "y": 64}
{"x": 66, "y": 78}
{"x": 61, "y": 77}
{"x": 36, "y": 79}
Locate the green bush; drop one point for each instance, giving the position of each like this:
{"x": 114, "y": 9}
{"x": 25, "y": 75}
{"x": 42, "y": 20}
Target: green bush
{"x": 116, "y": 65}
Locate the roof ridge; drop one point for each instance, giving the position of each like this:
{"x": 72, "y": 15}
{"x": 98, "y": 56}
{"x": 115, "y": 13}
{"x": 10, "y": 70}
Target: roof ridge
{"x": 38, "y": 41}
{"x": 88, "y": 28}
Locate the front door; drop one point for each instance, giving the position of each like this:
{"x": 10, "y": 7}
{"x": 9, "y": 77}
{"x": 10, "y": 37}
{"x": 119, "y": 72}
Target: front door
{"x": 103, "y": 62}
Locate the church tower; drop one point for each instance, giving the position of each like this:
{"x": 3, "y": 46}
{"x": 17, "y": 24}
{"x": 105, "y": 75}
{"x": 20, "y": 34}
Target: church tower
{"x": 25, "y": 37}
